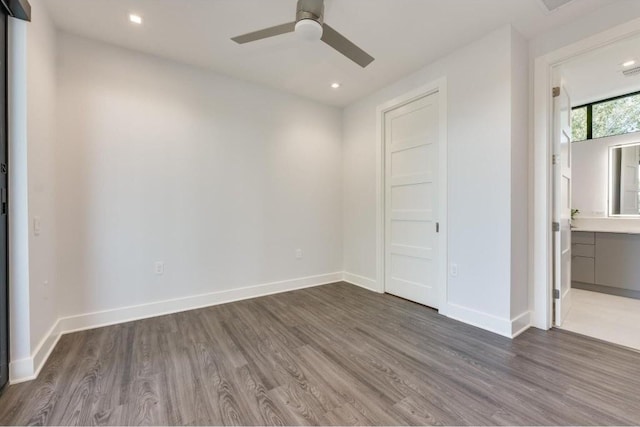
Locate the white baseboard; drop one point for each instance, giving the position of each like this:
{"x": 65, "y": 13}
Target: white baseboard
{"x": 160, "y": 308}
{"x": 361, "y": 281}
{"x": 21, "y": 370}
{"x": 509, "y": 328}
{"x": 520, "y": 323}
{"x": 29, "y": 368}
{"x": 480, "y": 319}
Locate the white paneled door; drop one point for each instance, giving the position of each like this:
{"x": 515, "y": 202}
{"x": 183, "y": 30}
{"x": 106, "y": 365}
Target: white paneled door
{"x": 562, "y": 204}
{"x": 411, "y": 134}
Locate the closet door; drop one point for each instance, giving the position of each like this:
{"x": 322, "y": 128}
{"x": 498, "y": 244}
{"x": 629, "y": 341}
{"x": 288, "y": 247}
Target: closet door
{"x": 411, "y": 201}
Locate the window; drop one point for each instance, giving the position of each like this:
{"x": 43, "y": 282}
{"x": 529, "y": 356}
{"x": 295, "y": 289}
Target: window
{"x": 613, "y": 116}
{"x": 579, "y": 124}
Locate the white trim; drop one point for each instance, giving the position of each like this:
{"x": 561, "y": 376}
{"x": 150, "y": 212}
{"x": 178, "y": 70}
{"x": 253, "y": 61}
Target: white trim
{"x": 439, "y": 86}
{"x": 137, "y": 312}
{"x": 21, "y": 371}
{"x": 509, "y": 328}
{"x": 542, "y": 191}
{"x": 489, "y": 322}
{"x": 28, "y": 368}
{"x": 520, "y": 323}
{"x": 361, "y": 281}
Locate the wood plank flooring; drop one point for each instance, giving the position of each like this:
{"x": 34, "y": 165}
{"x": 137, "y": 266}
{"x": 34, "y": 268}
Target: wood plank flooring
{"x": 331, "y": 355}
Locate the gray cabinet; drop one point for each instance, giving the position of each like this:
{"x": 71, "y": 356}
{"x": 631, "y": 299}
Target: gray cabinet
{"x": 583, "y": 269}
{"x": 618, "y": 260}
{"x": 583, "y": 254}
{"x": 583, "y": 238}
{"x": 606, "y": 262}
{"x": 586, "y": 251}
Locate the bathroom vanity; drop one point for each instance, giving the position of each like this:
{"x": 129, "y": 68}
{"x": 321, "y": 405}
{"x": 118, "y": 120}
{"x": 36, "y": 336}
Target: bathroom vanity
{"x": 605, "y": 236}
{"x": 606, "y": 261}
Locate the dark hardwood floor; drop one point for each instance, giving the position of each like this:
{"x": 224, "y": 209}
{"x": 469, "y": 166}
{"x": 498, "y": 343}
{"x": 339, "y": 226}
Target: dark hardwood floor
{"x": 334, "y": 354}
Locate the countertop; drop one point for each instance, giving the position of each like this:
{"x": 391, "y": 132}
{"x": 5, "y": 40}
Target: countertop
{"x": 607, "y": 225}
{"x": 596, "y": 230}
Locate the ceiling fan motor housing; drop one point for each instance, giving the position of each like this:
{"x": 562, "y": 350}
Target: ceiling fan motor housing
{"x": 310, "y": 9}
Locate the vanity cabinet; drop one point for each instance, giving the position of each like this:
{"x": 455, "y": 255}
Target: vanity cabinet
{"x": 606, "y": 262}
{"x": 583, "y": 254}
{"x": 618, "y": 260}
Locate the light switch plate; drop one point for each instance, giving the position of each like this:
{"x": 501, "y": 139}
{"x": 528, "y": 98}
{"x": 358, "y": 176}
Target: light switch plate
{"x": 453, "y": 270}
{"x": 37, "y": 225}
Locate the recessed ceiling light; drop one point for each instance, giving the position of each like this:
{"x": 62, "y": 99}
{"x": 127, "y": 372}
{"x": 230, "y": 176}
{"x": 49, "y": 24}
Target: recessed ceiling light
{"x": 628, "y": 63}
{"x": 136, "y": 19}
{"x": 335, "y": 85}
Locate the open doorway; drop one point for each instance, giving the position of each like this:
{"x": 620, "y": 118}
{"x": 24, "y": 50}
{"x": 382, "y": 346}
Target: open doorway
{"x": 596, "y": 188}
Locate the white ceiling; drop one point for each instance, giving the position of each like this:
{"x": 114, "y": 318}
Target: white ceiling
{"x": 598, "y": 74}
{"x": 403, "y": 35}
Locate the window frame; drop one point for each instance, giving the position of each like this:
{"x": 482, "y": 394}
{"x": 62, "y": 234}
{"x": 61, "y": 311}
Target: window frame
{"x": 589, "y": 107}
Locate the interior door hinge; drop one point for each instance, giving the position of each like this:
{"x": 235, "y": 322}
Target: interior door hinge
{"x": 554, "y": 159}
{"x": 555, "y": 226}
{"x": 555, "y": 91}
{"x": 556, "y": 294}
{"x": 437, "y": 227}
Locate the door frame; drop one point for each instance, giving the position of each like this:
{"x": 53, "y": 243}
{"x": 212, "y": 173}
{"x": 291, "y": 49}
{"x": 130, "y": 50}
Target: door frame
{"x": 541, "y": 276}
{"x": 438, "y": 86}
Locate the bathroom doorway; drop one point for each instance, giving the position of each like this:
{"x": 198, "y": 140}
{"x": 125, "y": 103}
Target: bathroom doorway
{"x": 596, "y": 214}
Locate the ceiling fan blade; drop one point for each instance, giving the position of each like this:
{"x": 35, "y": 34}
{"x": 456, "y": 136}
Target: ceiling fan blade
{"x": 345, "y": 47}
{"x": 265, "y": 33}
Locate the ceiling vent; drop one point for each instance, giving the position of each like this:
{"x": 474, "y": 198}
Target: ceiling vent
{"x": 553, "y": 5}
{"x": 631, "y": 71}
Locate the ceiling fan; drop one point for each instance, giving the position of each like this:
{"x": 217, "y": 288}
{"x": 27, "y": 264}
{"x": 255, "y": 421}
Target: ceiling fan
{"x": 310, "y": 25}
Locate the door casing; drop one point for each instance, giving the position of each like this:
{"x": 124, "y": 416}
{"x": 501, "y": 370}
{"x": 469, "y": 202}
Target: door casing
{"x": 541, "y": 268}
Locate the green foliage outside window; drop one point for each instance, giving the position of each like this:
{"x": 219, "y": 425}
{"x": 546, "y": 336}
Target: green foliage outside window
{"x": 616, "y": 117}
{"x": 579, "y": 124}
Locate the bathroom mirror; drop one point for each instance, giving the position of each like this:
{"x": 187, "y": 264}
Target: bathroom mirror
{"x": 624, "y": 180}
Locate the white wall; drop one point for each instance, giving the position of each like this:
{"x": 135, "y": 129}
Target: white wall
{"x": 19, "y": 323}
{"x": 592, "y": 23}
{"x": 590, "y": 173}
{"x": 32, "y": 83}
{"x": 519, "y": 178}
{"x": 41, "y": 129}
{"x": 220, "y": 179}
{"x": 479, "y": 85}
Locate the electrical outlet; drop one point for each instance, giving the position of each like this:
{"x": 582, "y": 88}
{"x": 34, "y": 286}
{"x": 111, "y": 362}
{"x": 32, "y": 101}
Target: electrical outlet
{"x": 159, "y": 268}
{"x": 453, "y": 270}
{"x": 298, "y": 253}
